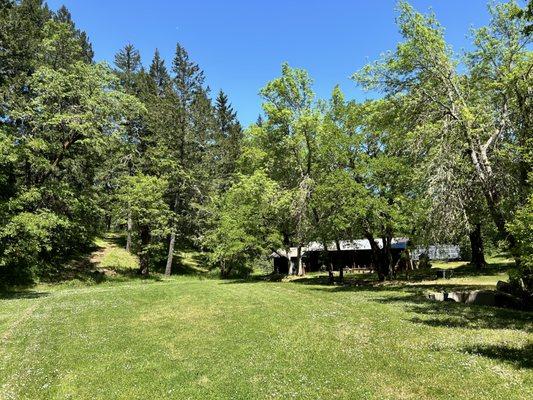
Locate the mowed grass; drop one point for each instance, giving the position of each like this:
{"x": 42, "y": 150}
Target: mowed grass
{"x": 190, "y": 338}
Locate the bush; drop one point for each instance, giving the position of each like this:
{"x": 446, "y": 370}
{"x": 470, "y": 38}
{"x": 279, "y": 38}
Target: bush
{"x": 28, "y": 242}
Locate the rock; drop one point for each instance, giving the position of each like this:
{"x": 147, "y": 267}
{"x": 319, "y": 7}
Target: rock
{"x": 504, "y": 287}
{"x": 460, "y": 297}
{"x": 482, "y": 298}
{"x": 438, "y": 296}
{"x": 508, "y": 300}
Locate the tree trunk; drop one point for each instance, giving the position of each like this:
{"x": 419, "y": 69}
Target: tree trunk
{"x": 128, "y": 236}
{"x": 143, "y": 254}
{"x": 223, "y": 272}
{"x": 341, "y": 267}
{"x": 170, "y": 255}
{"x": 299, "y": 261}
{"x": 388, "y": 267}
{"x": 168, "y": 267}
{"x": 476, "y": 244}
{"x": 491, "y": 194}
{"x": 376, "y": 256}
{"x": 329, "y": 263}
{"x": 290, "y": 266}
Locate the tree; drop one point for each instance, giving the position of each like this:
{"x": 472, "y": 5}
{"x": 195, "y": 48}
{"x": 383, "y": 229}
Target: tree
{"x": 527, "y": 14}
{"x": 20, "y": 37}
{"x": 159, "y": 74}
{"x": 54, "y": 153}
{"x": 227, "y": 141}
{"x": 181, "y": 142}
{"x": 143, "y": 198}
{"x": 63, "y": 16}
{"x": 337, "y": 191}
{"x": 484, "y": 109}
{"x": 244, "y": 224}
{"x": 288, "y": 138}
{"x": 522, "y": 227}
{"x": 455, "y": 205}
{"x": 128, "y": 63}
{"x": 336, "y": 203}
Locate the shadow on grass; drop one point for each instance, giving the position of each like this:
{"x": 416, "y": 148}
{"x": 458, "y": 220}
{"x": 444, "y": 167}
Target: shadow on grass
{"x": 123, "y": 274}
{"x": 444, "y": 314}
{"x": 81, "y": 268}
{"x": 455, "y": 315}
{"x": 116, "y": 239}
{"x": 410, "y": 296}
{"x": 192, "y": 264}
{"x": 358, "y": 282}
{"x": 464, "y": 271}
{"x": 21, "y": 294}
{"x": 519, "y": 357}
{"x": 254, "y": 279}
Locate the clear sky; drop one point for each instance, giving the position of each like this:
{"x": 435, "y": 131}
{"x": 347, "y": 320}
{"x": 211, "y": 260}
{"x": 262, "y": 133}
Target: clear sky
{"x": 241, "y": 44}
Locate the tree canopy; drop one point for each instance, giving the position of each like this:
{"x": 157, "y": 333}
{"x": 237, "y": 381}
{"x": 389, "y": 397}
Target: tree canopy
{"x": 444, "y": 154}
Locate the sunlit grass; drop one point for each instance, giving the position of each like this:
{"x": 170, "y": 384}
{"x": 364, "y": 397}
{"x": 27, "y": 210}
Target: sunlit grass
{"x": 188, "y": 338}
{"x": 114, "y": 257}
{"x": 448, "y": 264}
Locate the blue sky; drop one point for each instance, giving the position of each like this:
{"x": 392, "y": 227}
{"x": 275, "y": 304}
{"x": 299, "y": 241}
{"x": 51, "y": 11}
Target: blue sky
{"x": 241, "y": 44}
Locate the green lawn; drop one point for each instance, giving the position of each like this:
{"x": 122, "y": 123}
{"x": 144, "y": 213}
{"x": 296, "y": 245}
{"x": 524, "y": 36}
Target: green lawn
{"x": 198, "y": 338}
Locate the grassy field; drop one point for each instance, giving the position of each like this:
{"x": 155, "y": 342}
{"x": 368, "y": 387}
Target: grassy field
{"x": 187, "y": 337}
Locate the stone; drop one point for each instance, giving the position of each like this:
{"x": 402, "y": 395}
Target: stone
{"x": 504, "y": 287}
{"x": 508, "y": 300}
{"x": 482, "y": 298}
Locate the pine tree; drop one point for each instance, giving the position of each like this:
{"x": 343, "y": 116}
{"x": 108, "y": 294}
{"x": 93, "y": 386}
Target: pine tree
{"x": 128, "y": 62}
{"x": 228, "y": 141}
{"x": 20, "y": 37}
{"x": 187, "y": 84}
{"x": 63, "y": 15}
{"x": 159, "y": 74}
{"x": 188, "y": 77}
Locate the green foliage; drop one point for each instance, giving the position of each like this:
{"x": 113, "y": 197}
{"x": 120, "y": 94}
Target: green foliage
{"x": 466, "y": 120}
{"x": 60, "y": 47}
{"x": 82, "y": 147}
{"x": 141, "y": 198}
{"x": 245, "y": 224}
{"x": 522, "y": 228}
{"x": 28, "y": 241}
{"x": 60, "y": 115}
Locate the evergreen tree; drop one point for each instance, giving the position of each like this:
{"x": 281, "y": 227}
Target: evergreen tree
{"x": 128, "y": 63}
{"x": 181, "y": 143}
{"x": 228, "y": 140}
{"x": 159, "y": 74}
{"x": 63, "y": 15}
